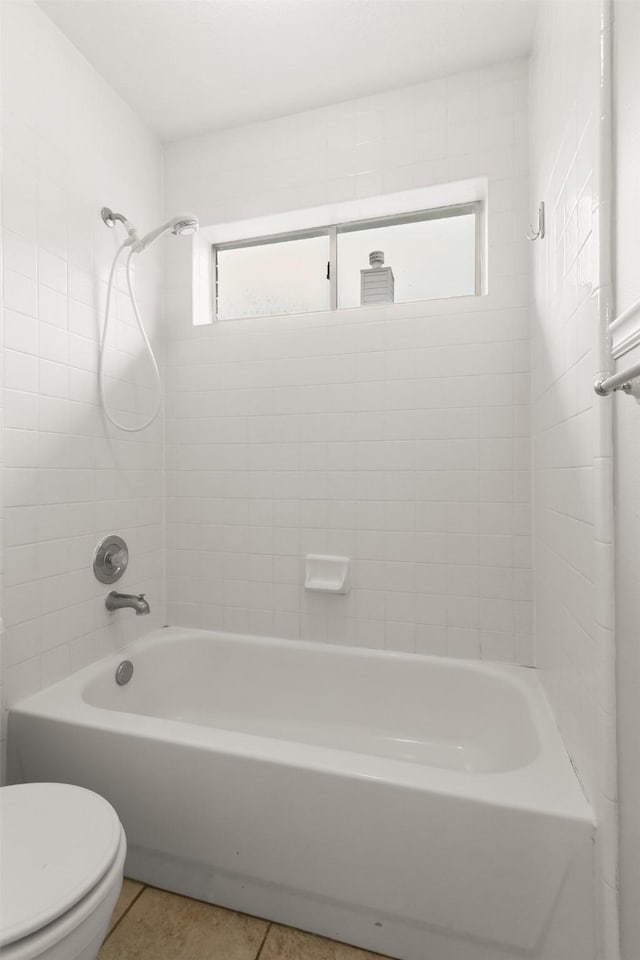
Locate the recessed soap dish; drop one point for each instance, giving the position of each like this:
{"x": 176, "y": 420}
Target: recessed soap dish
{"x": 327, "y": 574}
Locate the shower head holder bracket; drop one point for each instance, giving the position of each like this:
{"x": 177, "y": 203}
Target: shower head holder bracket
{"x": 110, "y": 218}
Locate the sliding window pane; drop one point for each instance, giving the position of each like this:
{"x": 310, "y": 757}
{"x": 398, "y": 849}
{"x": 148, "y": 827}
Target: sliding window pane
{"x": 268, "y": 279}
{"x": 429, "y": 259}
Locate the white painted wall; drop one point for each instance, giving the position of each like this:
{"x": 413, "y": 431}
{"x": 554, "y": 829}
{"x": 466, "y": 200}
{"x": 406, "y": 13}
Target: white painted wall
{"x": 70, "y": 145}
{"x": 627, "y": 473}
{"x": 2, "y": 691}
{"x": 573, "y": 636}
{"x": 398, "y": 436}
{"x": 627, "y": 465}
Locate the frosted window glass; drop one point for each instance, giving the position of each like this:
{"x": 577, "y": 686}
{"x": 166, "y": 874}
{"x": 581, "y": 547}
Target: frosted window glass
{"x": 430, "y": 259}
{"x": 285, "y": 277}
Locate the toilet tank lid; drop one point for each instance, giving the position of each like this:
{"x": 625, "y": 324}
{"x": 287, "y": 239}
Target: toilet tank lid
{"x": 57, "y": 842}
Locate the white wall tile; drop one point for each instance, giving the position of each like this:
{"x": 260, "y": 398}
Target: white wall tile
{"x": 379, "y": 436}
{"x": 574, "y": 656}
{"x": 55, "y": 178}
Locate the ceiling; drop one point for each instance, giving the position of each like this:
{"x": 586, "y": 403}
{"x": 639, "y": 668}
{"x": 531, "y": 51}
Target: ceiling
{"x": 191, "y": 66}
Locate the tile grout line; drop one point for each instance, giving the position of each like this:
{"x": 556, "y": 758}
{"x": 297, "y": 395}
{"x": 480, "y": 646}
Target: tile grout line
{"x": 121, "y": 918}
{"x": 264, "y": 940}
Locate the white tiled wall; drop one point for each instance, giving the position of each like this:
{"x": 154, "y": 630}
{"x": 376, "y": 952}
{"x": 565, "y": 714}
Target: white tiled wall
{"x": 70, "y": 146}
{"x": 573, "y": 632}
{"x": 564, "y": 363}
{"x": 398, "y": 436}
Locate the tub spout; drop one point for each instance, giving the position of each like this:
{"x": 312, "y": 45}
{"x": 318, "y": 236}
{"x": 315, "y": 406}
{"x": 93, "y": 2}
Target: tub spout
{"x": 116, "y": 601}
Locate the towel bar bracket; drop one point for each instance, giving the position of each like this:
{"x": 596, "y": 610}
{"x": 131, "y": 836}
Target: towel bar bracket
{"x": 603, "y": 391}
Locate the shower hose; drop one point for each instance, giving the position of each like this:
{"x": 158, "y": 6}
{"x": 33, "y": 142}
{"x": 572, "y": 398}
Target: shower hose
{"x": 145, "y": 338}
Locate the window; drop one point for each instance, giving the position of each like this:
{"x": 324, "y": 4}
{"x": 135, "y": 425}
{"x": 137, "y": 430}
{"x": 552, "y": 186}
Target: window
{"x": 274, "y": 275}
{"x": 427, "y": 255}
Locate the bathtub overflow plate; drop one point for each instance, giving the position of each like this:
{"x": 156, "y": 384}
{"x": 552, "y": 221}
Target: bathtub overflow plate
{"x": 111, "y": 559}
{"x": 124, "y": 672}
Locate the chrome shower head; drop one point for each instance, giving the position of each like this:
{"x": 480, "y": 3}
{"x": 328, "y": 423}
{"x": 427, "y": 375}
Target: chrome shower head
{"x": 184, "y": 226}
{"x": 181, "y": 225}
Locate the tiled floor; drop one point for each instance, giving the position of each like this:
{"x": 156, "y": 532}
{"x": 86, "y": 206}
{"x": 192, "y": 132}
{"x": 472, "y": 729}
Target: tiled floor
{"x": 150, "y": 924}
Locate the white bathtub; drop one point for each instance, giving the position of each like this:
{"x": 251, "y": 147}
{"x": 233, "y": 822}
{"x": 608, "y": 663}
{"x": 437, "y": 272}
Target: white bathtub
{"x": 420, "y": 807}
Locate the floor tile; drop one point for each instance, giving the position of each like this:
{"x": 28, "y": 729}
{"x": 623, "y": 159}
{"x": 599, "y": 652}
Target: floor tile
{"x": 285, "y": 943}
{"x": 130, "y": 890}
{"x": 164, "y": 926}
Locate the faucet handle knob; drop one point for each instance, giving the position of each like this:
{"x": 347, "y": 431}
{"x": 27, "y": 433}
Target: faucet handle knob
{"x": 114, "y": 560}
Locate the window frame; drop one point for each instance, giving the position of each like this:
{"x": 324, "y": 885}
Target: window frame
{"x": 473, "y": 207}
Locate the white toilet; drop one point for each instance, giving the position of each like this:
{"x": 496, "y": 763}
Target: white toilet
{"x": 62, "y": 851}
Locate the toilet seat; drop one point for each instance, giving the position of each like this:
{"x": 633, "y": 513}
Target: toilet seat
{"x": 63, "y": 851}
